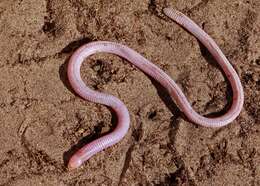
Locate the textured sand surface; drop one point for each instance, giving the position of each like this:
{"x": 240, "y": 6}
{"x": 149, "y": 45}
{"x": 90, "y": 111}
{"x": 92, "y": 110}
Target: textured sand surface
{"x": 42, "y": 121}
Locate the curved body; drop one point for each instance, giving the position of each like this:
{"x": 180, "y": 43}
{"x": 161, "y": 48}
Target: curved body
{"x": 152, "y": 70}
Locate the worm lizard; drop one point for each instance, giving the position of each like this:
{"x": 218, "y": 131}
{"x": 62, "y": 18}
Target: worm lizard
{"x": 156, "y": 73}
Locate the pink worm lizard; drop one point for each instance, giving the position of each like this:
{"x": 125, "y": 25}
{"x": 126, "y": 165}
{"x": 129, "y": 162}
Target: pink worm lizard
{"x": 149, "y": 68}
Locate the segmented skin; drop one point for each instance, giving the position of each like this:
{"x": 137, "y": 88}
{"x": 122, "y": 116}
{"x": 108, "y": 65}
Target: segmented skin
{"x": 152, "y": 70}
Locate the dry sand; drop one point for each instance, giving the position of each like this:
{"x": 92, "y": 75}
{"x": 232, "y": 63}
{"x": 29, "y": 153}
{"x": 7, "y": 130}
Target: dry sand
{"x": 42, "y": 121}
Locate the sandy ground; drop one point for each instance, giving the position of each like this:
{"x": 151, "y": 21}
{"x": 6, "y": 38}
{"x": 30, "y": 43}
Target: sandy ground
{"x": 42, "y": 122}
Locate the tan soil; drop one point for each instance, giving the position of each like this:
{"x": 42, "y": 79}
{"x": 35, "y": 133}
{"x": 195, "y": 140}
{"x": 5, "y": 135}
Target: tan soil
{"x": 42, "y": 121}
